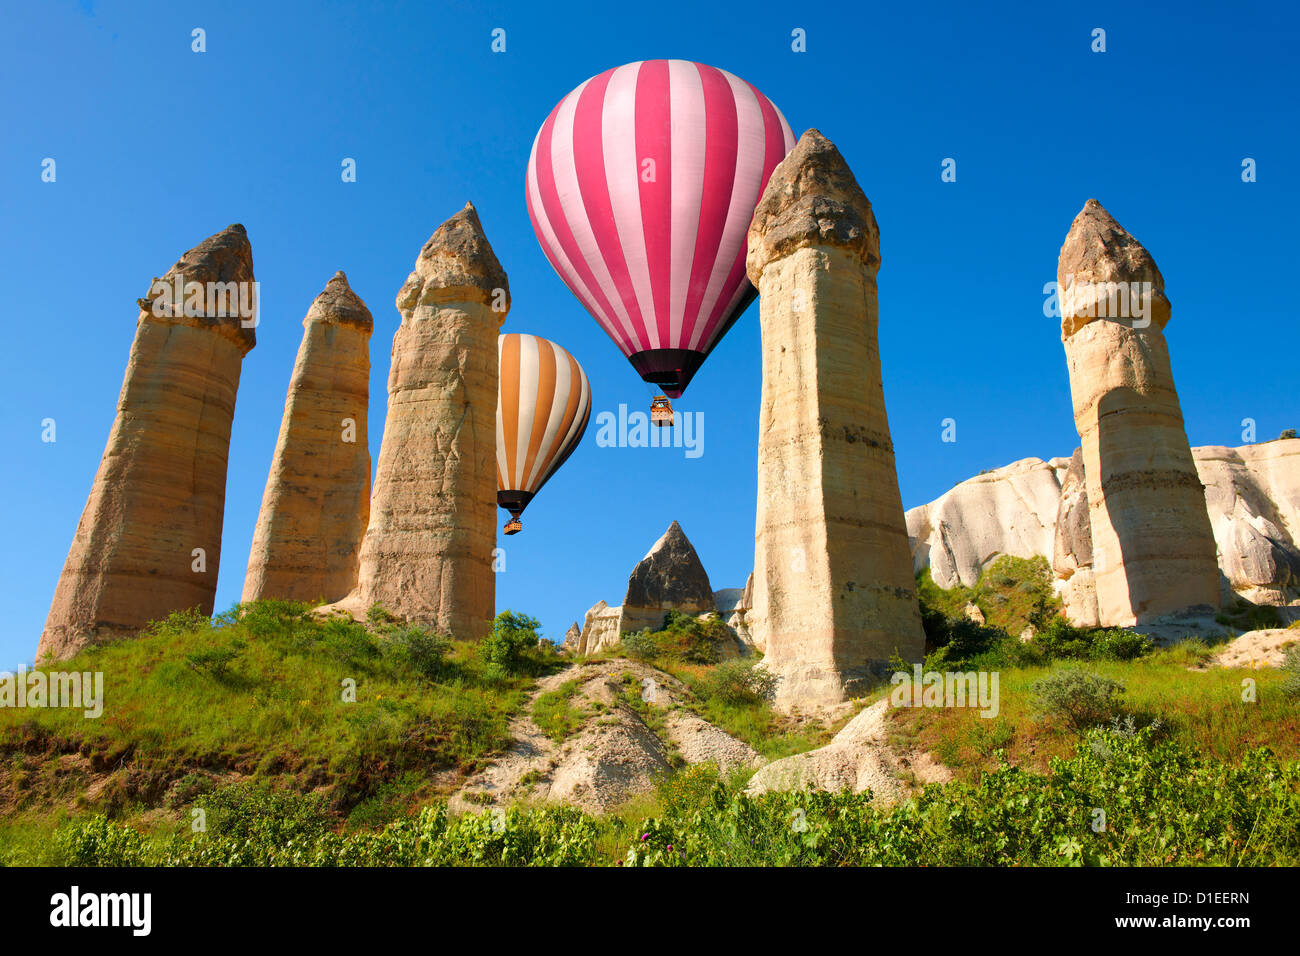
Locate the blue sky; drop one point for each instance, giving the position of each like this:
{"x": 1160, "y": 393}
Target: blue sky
{"x": 158, "y": 147}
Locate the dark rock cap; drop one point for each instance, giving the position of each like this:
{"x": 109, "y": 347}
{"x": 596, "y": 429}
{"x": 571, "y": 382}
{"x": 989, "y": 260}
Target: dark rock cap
{"x": 338, "y": 303}
{"x": 456, "y": 264}
{"x": 1098, "y": 250}
{"x": 812, "y": 199}
{"x": 226, "y": 257}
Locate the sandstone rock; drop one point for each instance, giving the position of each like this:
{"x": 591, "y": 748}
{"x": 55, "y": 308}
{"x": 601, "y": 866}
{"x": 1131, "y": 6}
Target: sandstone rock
{"x": 1009, "y": 510}
{"x": 317, "y": 497}
{"x": 149, "y": 539}
{"x": 1264, "y": 648}
{"x": 973, "y": 613}
{"x": 1253, "y": 497}
{"x": 601, "y": 628}
{"x": 572, "y": 638}
{"x": 427, "y": 552}
{"x": 1153, "y": 547}
{"x": 669, "y": 578}
{"x": 1253, "y": 500}
{"x": 834, "y": 594}
{"x": 859, "y": 758}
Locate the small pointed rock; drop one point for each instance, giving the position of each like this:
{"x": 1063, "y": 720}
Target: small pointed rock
{"x": 670, "y": 577}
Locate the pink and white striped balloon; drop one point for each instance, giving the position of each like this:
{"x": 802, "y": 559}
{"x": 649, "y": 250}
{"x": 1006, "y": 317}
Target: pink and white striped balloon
{"x": 641, "y": 186}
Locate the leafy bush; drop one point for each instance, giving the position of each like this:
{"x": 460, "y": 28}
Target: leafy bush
{"x": 638, "y": 645}
{"x": 216, "y": 661}
{"x": 1164, "y": 804}
{"x": 424, "y": 650}
{"x": 1082, "y": 698}
{"x": 1061, "y": 640}
{"x": 506, "y": 649}
{"x": 1291, "y": 673}
{"x": 738, "y": 681}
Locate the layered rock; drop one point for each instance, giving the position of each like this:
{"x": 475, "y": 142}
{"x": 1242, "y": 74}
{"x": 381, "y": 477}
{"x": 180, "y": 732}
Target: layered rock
{"x": 834, "y": 595}
{"x": 317, "y": 499}
{"x": 1071, "y": 553}
{"x": 427, "y": 552}
{"x": 669, "y": 578}
{"x": 1010, "y": 510}
{"x": 1153, "y": 547}
{"x": 149, "y": 540}
{"x": 1252, "y": 497}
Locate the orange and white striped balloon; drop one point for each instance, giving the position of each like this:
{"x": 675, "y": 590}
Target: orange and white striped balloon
{"x": 543, "y": 405}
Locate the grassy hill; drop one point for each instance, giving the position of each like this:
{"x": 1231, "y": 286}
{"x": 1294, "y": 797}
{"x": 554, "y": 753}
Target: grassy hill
{"x": 248, "y": 718}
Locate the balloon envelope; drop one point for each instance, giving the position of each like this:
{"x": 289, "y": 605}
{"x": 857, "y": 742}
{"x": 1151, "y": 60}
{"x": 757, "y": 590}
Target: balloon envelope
{"x": 543, "y": 404}
{"x": 641, "y": 186}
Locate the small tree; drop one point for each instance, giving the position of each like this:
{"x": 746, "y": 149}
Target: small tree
{"x": 513, "y": 635}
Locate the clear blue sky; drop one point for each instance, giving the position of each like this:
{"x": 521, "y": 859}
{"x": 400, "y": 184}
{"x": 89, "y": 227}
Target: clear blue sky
{"x": 158, "y": 147}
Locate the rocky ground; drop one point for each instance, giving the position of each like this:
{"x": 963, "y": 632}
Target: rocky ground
{"x": 633, "y": 723}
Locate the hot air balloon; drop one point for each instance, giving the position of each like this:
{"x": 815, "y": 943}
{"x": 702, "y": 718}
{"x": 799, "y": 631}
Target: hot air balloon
{"x": 641, "y": 186}
{"x": 543, "y": 404}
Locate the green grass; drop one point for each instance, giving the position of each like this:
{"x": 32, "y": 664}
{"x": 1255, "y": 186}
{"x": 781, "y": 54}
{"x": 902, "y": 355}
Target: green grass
{"x": 554, "y": 713}
{"x": 260, "y": 692}
{"x": 1202, "y": 710}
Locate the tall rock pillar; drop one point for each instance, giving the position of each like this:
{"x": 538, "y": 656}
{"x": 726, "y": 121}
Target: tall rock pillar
{"x": 149, "y": 539}
{"x": 1153, "y": 549}
{"x": 834, "y": 594}
{"x": 427, "y": 553}
{"x": 317, "y": 498}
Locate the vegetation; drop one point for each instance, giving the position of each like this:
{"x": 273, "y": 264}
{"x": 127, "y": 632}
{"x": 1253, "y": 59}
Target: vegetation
{"x": 1118, "y": 799}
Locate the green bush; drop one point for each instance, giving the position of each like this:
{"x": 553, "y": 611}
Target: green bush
{"x": 1291, "y": 673}
{"x": 424, "y": 650}
{"x": 506, "y": 650}
{"x": 638, "y": 645}
{"x": 738, "y": 681}
{"x": 1083, "y": 699}
{"x": 1061, "y": 640}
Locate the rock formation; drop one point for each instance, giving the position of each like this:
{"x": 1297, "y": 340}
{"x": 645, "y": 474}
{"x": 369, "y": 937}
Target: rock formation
{"x": 1071, "y": 552}
{"x": 1009, "y": 510}
{"x": 1252, "y": 496}
{"x": 669, "y": 578}
{"x": 1152, "y": 545}
{"x": 149, "y": 539}
{"x": 427, "y": 552}
{"x": 317, "y": 497}
{"x": 834, "y": 595}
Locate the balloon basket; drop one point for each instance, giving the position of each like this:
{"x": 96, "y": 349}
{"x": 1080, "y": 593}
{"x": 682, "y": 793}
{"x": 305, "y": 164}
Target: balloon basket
{"x": 514, "y": 526}
{"x": 661, "y": 411}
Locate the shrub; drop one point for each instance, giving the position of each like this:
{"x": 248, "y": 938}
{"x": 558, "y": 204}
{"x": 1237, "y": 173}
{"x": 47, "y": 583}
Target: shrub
{"x": 424, "y": 650}
{"x": 216, "y": 661}
{"x": 638, "y": 645}
{"x": 1082, "y": 698}
{"x": 506, "y": 649}
{"x": 738, "y": 682}
{"x": 1291, "y": 673}
{"x": 1061, "y": 640}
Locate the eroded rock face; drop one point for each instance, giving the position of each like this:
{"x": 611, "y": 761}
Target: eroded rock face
{"x": 149, "y": 539}
{"x": 1252, "y": 497}
{"x": 1153, "y": 547}
{"x": 1009, "y": 510}
{"x": 427, "y": 552}
{"x": 834, "y": 595}
{"x": 317, "y": 499}
{"x": 669, "y": 578}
